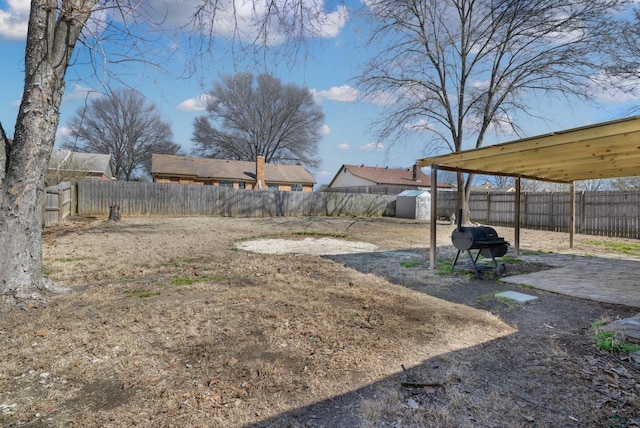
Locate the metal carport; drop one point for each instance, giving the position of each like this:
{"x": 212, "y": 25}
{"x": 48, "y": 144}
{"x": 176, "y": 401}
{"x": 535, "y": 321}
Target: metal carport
{"x": 603, "y": 150}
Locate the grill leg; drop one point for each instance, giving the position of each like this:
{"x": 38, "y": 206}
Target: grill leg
{"x": 473, "y": 262}
{"x": 455, "y": 260}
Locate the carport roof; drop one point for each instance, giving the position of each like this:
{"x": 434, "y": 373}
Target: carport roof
{"x": 604, "y": 150}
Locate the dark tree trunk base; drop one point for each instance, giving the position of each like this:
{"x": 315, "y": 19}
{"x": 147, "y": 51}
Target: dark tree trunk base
{"x": 114, "y": 213}
{"x": 38, "y": 297}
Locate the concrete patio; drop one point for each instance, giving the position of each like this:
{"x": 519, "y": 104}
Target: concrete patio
{"x": 600, "y": 278}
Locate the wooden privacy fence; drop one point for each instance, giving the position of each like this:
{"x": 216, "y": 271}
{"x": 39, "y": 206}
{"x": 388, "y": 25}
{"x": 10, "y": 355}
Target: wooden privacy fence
{"x": 57, "y": 203}
{"x": 614, "y": 213}
{"x": 133, "y": 198}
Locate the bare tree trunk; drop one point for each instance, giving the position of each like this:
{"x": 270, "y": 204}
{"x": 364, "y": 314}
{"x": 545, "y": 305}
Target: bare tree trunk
{"x": 51, "y": 39}
{"x": 463, "y": 199}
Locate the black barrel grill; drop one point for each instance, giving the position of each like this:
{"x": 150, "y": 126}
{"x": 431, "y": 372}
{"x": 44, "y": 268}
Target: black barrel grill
{"x": 484, "y": 240}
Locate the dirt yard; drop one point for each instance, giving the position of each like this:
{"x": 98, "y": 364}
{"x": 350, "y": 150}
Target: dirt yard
{"x": 300, "y": 322}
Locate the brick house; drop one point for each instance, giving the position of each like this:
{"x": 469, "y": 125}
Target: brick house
{"x": 256, "y": 175}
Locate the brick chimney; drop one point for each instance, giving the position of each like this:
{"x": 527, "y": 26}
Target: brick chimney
{"x": 260, "y": 183}
{"x": 416, "y": 176}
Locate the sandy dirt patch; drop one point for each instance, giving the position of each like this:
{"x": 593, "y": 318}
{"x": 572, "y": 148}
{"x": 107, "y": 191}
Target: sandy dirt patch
{"x": 309, "y": 246}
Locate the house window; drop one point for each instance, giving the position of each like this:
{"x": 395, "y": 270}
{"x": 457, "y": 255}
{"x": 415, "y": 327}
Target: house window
{"x": 272, "y": 186}
{"x": 225, "y": 183}
{"x": 296, "y": 187}
{"x": 242, "y": 185}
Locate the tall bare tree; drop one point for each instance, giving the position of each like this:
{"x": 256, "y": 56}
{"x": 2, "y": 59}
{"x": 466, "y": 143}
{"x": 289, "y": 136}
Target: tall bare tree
{"x": 55, "y": 28}
{"x": 459, "y": 69}
{"x": 123, "y": 125}
{"x": 248, "y": 117}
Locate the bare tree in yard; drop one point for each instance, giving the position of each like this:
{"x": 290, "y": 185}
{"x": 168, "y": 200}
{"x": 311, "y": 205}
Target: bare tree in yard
{"x": 625, "y": 183}
{"x": 593, "y": 185}
{"x": 123, "y": 125}
{"x": 500, "y": 181}
{"x": 462, "y": 68}
{"x": 261, "y": 117}
{"x": 55, "y": 27}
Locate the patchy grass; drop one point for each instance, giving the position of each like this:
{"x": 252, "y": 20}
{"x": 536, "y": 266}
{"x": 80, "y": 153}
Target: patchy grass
{"x": 69, "y": 259}
{"x": 141, "y": 293}
{"x": 630, "y": 249}
{"x": 609, "y": 341}
{"x": 535, "y": 252}
{"x": 183, "y": 280}
{"x": 410, "y": 263}
{"x": 509, "y": 259}
{"x": 485, "y": 297}
{"x": 192, "y": 279}
{"x": 443, "y": 267}
{"x": 305, "y": 341}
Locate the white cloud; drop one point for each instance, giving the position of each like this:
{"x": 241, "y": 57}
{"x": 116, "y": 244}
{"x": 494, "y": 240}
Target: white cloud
{"x": 14, "y": 19}
{"x": 241, "y": 19}
{"x": 333, "y": 22}
{"x": 232, "y": 18}
{"x": 325, "y": 130}
{"x": 343, "y": 94}
{"x": 419, "y": 125}
{"x": 62, "y": 133}
{"x": 198, "y": 103}
{"x": 481, "y": 84}
{"x": 373, "y": 147}
{"x": 81, "y": 93}
{"x": 619, "y": 90}
{"x": 344, "y": 147}
{"x": 381, "y": 98}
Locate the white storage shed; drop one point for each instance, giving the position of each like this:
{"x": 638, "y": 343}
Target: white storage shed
{"x": 414, "y": 204}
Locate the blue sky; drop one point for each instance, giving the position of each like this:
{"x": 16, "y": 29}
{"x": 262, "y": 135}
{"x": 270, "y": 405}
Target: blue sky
{"x": 330, "y": 64}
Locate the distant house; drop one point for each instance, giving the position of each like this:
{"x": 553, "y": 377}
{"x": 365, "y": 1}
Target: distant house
{"x": 486, "y": 187}
{"x": 67, "y": 165}
{"x": 237, "y": 174}
{"x": 380, "y": 180}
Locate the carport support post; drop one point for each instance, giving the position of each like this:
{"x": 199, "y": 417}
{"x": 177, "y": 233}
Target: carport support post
{"x": 572, "y": 213}
{"x": 516, "y": 220}
{"x": 432, "y": 225}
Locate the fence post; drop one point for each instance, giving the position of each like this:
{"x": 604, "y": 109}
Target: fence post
{"x": 60, "y": 206}
{"x": 488, "y": 207}
{"x": 580, "y": 226}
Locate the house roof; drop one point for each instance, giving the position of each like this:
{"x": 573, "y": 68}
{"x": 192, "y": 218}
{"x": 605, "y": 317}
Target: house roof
{"x": 388, "y": 176}
{"x": 223, "y": 169}
{"x": 604, "y": 150}
{"x": 67, "y": 160}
